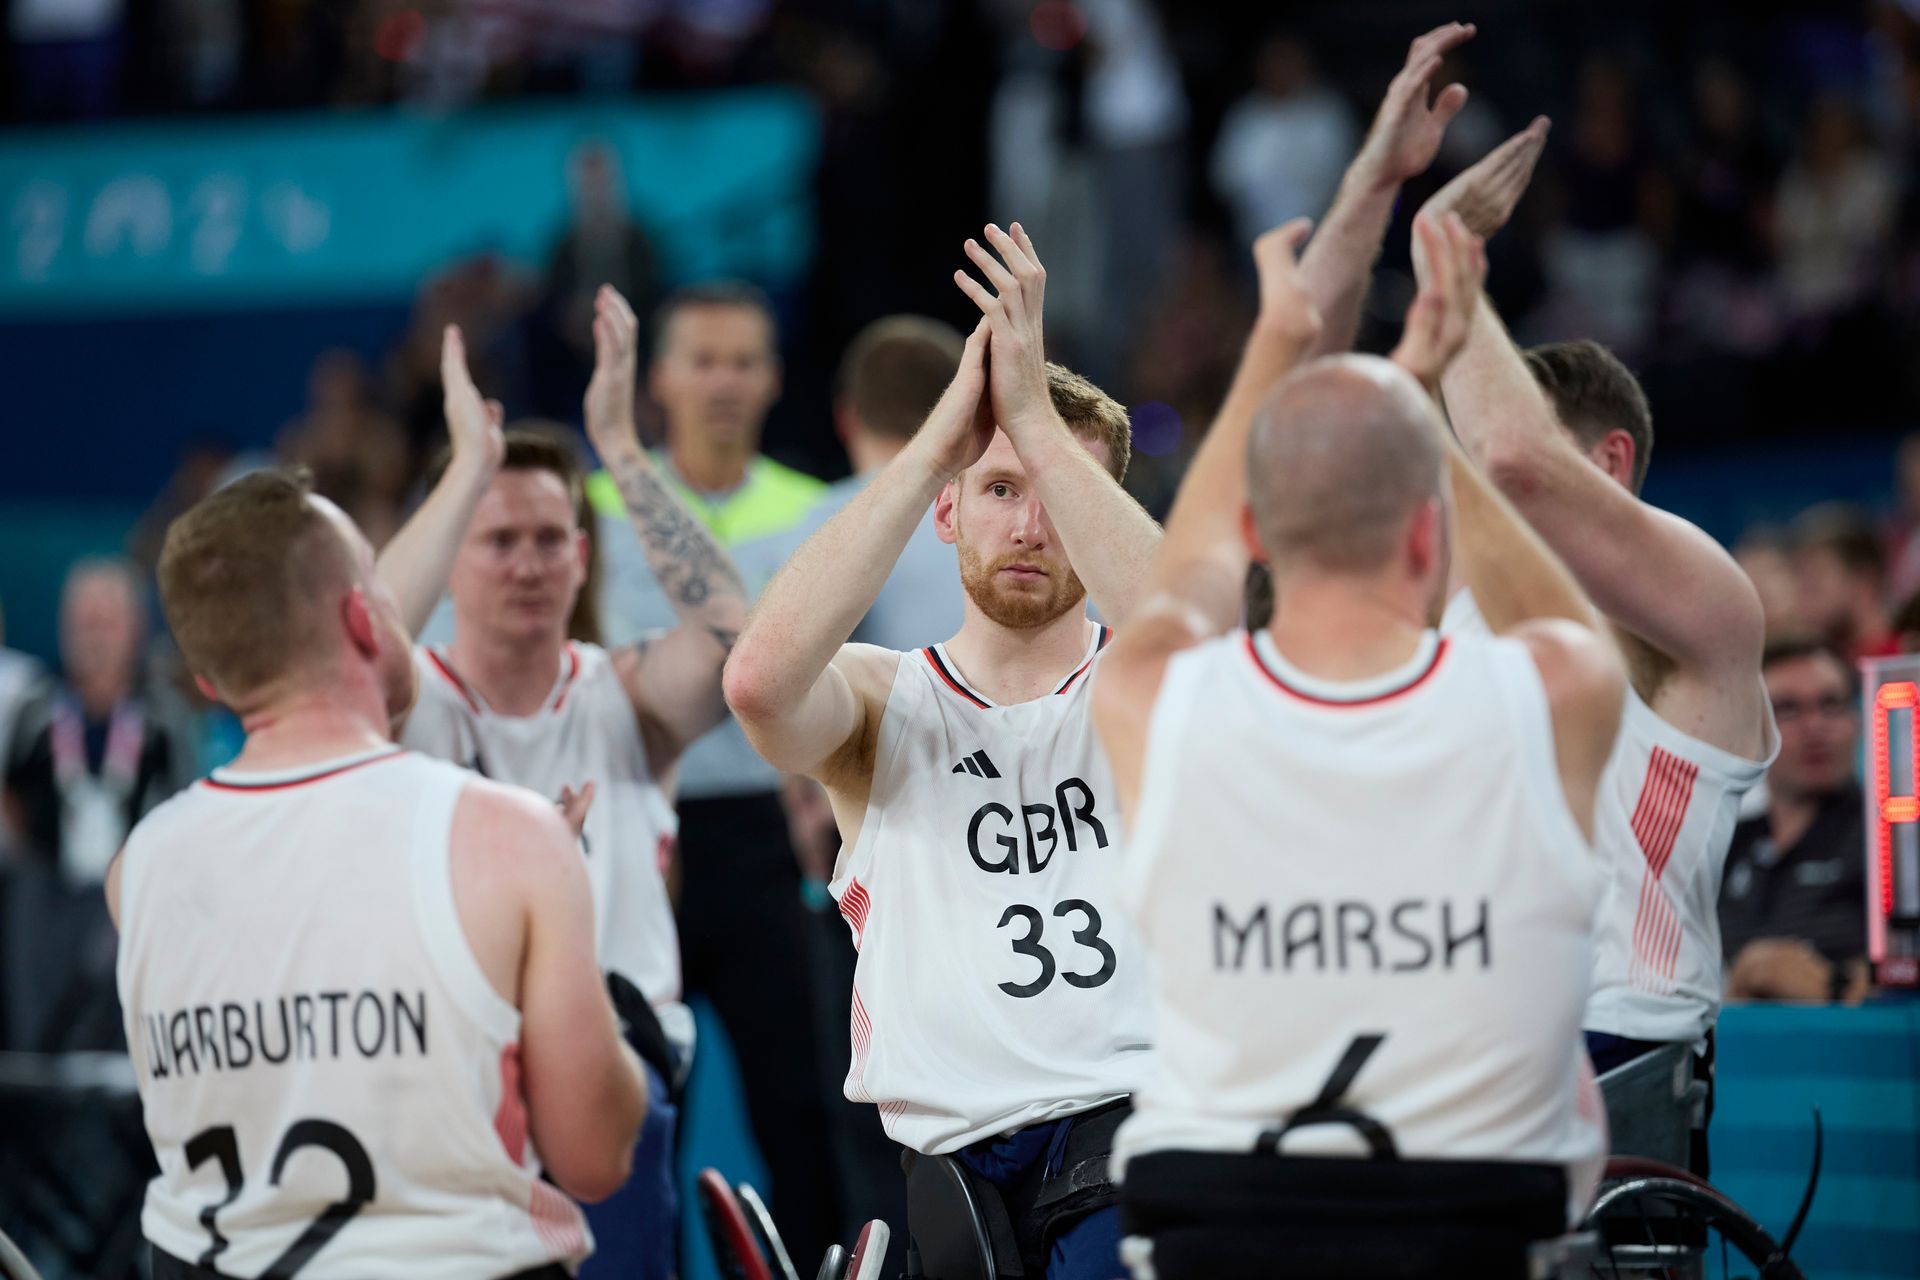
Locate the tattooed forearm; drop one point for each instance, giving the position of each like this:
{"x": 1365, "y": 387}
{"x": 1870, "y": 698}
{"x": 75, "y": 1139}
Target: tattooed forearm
{"x": 705, "y": 588}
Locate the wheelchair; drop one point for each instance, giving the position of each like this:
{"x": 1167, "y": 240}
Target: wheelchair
{"x": 13, "y": 1263}
{"x": 747, "y": 1246}
{"x": 1655, "y": 1216}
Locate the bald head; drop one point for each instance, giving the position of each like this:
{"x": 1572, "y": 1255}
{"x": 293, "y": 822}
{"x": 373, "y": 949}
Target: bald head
{"x": 1344, "y": 452}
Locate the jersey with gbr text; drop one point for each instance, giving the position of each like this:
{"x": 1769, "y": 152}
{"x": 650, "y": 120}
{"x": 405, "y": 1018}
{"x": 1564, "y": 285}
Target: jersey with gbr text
{"x": 998, "y": 984}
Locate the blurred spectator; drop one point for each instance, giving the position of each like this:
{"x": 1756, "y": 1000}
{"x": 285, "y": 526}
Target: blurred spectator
{"x": 1903, "y": 527}
{"x": 1182, "y": 365}
{"x": 1136, "y": 119}
{"x": 356, "y": 451}
{"x": 1283, "y": 147}
{"x": 1602, "y": 261}
{"x": 600, "y": 245}
{"x": 1793, "y": 920}
{"x": 67, "y": 54}
{"x": 19, "y": 673}
{"x": 1722, "y": 251}
{"x": 202, "y": 468}
{"x": 88, "y": 759}
{"x": 743, "y": 928}
{"x": 1906, "y": 624}
{"x": 891, "y": 376}
{"x": 488, "y": 299}
{"x": 1835, "y": 219}
{"x": 1766, "y": 554}
{"x": 1842, "y": 574}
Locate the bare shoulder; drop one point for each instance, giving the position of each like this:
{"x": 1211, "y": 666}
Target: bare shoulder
{"x": 1163, "y": 625}
{"x": 1578, "y": 666}
{"x": 509, "y": 831}
{"x": 868, "y": 668}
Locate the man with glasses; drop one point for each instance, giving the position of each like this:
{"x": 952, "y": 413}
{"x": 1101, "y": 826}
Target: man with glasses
{"x": 1793, "y": 922}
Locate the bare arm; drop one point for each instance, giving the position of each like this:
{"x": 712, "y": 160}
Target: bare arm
{"x": 525, "y": 904}
{"x": 803, "y": 694}
{"x": 1633, "y": 560}
{"x": 1108, "y": 537}
{"x": 1198, "y": 578}
{"x": 1636, "y": 562}
{"x": 1522, "y": 587}
{"x": 415, "y": 564}
{"x": 674, "y": 679}
{"x": 1402, "y": 143}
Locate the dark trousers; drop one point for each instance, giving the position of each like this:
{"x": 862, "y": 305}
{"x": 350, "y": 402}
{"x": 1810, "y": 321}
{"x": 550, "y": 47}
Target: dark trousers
{"x": 744, "y": 946}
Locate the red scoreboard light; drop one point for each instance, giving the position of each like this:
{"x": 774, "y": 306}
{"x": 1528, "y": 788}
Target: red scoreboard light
{"x": 1890, "y": 694}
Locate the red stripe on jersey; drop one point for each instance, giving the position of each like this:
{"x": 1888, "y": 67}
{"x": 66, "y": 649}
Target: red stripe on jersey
{"x": 933, "y": 660}
{"x": 322, "y": 776}
{"x": 862, "y": 1036}
{"x": 853, "y": 905}
{"x": 557, "y": 1220}
{"x": 573, "y": 670}
{"x": 1665, "y": 794}
{"x": 1253, "y": 652}
{"x": 1658, "y": 816}
{"x": 510, "y": 1117}
{"x": 459, "y": 685}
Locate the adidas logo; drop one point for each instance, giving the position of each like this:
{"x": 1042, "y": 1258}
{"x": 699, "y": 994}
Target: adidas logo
{"x": 978, "y": 765}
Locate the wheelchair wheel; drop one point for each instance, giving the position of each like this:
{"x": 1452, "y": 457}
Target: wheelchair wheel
{"x": 735, "y": 1250}
{"x": 13, "y": 1263}
{"x": 1631, "y": 1212}
{"x": 770, "y": 1242}
{"x": 869, "y": 1252}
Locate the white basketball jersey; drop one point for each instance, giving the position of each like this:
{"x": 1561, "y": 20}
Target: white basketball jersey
{"x": 1314, "y": 864}
{"x": 331, "y": 1084}
{"x": 1663, "y": 821}
{"x": 585, "y": 732}
{"x": 998, "y": 983}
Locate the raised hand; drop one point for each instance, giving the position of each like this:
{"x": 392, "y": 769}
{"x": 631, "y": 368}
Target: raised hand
{"x": 1407, "y": 130}
{"x": 1441, "y": 316}
{"x": 960, "y": 427}
{"x": 610, "y": 394}
{"x": 1486, "y": 194}
{"x": 475, "y": 425}
{"x": 1017, "y": 381}
{"x": 573, "y": 806}
{"x": 1286, "y": 304}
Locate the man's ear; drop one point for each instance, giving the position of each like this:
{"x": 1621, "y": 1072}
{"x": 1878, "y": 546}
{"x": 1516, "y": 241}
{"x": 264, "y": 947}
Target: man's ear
{"x": 357, "y": 618}
{"x": 207, "y": 691}
{"x": 1251, "y": 534}
{"x": 946, "y": 515}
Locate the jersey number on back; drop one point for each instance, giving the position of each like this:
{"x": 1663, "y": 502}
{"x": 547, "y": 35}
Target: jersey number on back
{"x": 1087, "y": 936}
{"x": 222, "y": 1144}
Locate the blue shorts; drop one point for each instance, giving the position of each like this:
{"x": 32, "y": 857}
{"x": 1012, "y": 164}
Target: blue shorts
{"x": 1089, "y": 1248}
{"x": 636, "y": 1230}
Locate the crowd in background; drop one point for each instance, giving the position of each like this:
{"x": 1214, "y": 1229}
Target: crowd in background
{"x": 1728, "y": 200}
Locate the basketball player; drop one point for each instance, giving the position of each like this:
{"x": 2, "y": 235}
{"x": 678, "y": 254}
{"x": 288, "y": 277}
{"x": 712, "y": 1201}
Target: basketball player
{"x": 512, "y": 698}
{"x": 998, "y": 1006}
{"x": 1359, "y": 853}
{"x": 358, "y": 984}
{"x": 1565, "y": 433}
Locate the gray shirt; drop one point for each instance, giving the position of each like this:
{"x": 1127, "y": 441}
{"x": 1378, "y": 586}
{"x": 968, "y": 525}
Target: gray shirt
{"x": 920, "y": 603}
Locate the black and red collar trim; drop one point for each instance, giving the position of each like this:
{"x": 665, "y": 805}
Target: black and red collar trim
{"x": 285, "y": 780}
{"x": 936, "y": 658}
{"x": 1370, "y": 699}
